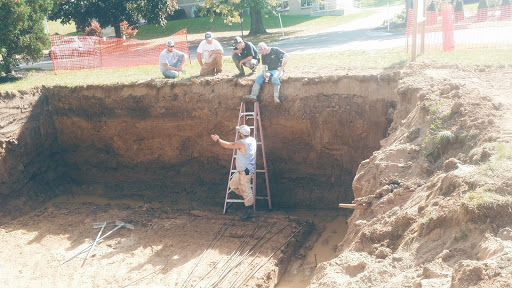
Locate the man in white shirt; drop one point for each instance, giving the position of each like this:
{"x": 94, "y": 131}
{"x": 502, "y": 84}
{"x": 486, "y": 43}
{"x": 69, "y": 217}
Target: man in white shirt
{"x": 212, "y": 52}
{"x": 171, "y": 61}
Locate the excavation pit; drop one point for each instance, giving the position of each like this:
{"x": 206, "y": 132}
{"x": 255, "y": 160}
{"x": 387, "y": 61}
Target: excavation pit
{"x": 150, "y": 143}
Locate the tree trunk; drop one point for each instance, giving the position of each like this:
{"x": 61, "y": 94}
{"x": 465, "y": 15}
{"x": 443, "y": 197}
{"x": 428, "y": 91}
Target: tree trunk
{"x": 7, "y": 63}
{"x": 257, "y": 27}
{"x": 117, "y": 29}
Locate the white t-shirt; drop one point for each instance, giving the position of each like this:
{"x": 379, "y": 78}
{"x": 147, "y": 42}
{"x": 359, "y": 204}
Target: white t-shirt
{"x": 205, "y": 48}
{"x": 168, "y": 58}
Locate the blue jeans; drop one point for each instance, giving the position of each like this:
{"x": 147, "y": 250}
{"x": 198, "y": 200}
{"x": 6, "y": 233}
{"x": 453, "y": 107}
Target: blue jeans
{"x": 274, "y": 76}
{"x": 172, "y": 73}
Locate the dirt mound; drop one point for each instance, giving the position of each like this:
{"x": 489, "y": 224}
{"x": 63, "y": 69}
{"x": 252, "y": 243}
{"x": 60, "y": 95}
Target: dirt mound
{"x": 439, "y": 189}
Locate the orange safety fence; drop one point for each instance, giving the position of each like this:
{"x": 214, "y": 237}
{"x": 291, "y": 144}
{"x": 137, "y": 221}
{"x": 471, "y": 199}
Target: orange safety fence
{"x": 448, "y": 29}
{"x": 89, "y": 52}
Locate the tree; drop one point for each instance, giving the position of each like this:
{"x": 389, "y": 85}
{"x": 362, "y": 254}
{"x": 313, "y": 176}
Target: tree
{"x": 22, "y": 35}
{"x": 112, "y": 12}
{"x": 232, "y": 9}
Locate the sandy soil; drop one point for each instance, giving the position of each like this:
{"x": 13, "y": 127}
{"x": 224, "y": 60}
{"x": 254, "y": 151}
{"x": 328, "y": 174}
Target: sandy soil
{"x": 166, "y": 248}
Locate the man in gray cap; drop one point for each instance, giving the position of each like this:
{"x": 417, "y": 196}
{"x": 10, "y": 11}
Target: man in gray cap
{"x": 171, "y": 61}
{"x": 212, "y": 52}
{"x": 240, "y": 183}
{"x": 244, "y": 54}
{"x": 273, "y": 61}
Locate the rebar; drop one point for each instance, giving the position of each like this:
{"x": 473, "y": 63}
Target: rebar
{"x": 268, "y": 259}
{"x": 219, "y": 234}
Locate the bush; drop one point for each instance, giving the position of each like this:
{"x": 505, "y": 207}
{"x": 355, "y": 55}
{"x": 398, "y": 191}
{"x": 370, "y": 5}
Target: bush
{"x": 459, "y": 5}
{"x": 177, "y": 15}
{"x": 93, "y": 30}
{"x": 201, "y": 11}
{"x": 432, "y": 6}
{"x": 505, "y": 3}
{"x": 128, "y": 31}
{"x": 483, "y": 4}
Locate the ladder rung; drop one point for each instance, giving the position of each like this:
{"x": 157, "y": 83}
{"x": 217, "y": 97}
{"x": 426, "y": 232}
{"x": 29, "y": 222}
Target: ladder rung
{"x": 261, "y": 171}
{"x": 261, "y": 197}
{"x": 235, "y": 200}
{"x": 258, "y": 143}
{"x": 247, "y": 113}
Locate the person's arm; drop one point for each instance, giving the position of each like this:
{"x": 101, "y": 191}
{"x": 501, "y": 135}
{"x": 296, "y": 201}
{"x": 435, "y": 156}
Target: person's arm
{"x": 284, "y": 62}
{"x": 198, "y": 56}
{"x": 229, "y": 145}
{"x": 183, "y": 61}
{"x": 218, "y": 50}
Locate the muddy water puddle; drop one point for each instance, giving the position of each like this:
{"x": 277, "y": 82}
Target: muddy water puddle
{"x": 331, "y": 229}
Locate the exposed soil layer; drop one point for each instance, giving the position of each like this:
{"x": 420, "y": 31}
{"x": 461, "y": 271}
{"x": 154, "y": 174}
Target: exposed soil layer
{"x": 153, "y": 139}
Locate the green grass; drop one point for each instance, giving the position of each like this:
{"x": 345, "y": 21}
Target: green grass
{"x": 56, "y": 28}
{"x": 203, "y": 24}
{"x": 470, "y": 57}
{"x": 345, "y": 59}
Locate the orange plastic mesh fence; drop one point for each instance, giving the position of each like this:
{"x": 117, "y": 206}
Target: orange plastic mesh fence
{"x": 448, "y": 29}
{"x": 89, "y": 52}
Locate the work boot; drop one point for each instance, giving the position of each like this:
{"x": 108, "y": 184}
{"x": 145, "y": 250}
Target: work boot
{"x": 276, "y": 93}
{"x": 248, "y": 213}
{"x": 254, "y": 93}
{"x": 254, "y": 68}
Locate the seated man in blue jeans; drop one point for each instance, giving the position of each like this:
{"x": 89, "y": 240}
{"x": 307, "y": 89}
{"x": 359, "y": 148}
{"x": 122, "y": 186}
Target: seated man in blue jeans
{"x": 171, "y": 61}
{"x": 273, "y": 61}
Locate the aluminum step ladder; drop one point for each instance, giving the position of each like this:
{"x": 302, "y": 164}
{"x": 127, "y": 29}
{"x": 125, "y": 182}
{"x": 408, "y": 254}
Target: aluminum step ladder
{"x": 253, "y": 118}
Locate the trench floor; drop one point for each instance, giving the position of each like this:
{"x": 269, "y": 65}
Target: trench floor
{"x": 168, "y": 247}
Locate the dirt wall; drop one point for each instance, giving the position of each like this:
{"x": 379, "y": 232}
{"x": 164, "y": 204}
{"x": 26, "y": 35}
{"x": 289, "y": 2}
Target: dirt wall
{"x": 155, "y": 136}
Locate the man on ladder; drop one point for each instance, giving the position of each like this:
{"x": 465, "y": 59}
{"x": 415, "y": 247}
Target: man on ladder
{"x": 240, "y": 183}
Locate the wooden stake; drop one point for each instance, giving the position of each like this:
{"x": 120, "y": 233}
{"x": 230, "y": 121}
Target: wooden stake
{"x": 354, "y": 206}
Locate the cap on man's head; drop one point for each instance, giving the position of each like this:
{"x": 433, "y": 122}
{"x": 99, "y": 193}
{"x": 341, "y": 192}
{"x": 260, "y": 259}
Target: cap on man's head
{"x": 170, "y": 43}
{"x": 261, "y": 46}
{"x": 208, "y": 35}
{"x": 237, "y": 40}
{"x": 244, "y": 129}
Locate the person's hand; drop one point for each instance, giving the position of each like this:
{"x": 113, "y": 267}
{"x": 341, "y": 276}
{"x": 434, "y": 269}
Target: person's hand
{"x": 265, "y": 75}
{"x": 215, "y": 137}
{"x": 280, "y": 69}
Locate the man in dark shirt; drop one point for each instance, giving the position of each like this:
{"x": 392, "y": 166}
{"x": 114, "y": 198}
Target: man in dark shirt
{"x": 244, "y": 54}
{"x": 273, "y": 61}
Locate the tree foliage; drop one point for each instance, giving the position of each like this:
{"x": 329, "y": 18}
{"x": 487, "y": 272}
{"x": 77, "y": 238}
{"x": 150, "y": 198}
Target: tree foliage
{"x": 232, "y": 9}
{"x": 22, "y": 35}
{"x": 112, "y": 12}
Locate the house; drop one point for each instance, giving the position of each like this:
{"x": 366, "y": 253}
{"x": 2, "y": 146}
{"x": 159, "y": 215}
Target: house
{"x": 288, "y": 7}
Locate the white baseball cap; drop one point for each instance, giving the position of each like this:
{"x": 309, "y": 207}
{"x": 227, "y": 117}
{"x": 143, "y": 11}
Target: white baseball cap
{"x": 244, "y": 129}
{"x": 261, "y": 46}
{"x": 170, "y": 43}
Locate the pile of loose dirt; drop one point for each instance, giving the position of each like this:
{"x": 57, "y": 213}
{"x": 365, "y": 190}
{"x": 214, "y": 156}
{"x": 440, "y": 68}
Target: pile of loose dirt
{"x": 439, "y": 190}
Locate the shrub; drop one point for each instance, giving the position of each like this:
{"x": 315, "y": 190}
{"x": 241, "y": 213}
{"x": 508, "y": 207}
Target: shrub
{"x": 93, "y": 30}
{"x": 459, "y": 6}
{"x": 177, "y": 15}
{"x": 432, "y": 6}
{"x": 128, "y": 31}
{"x": 483, "y": 4}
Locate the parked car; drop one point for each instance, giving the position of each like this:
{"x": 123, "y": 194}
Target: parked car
{"x": 71, "y": 47}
